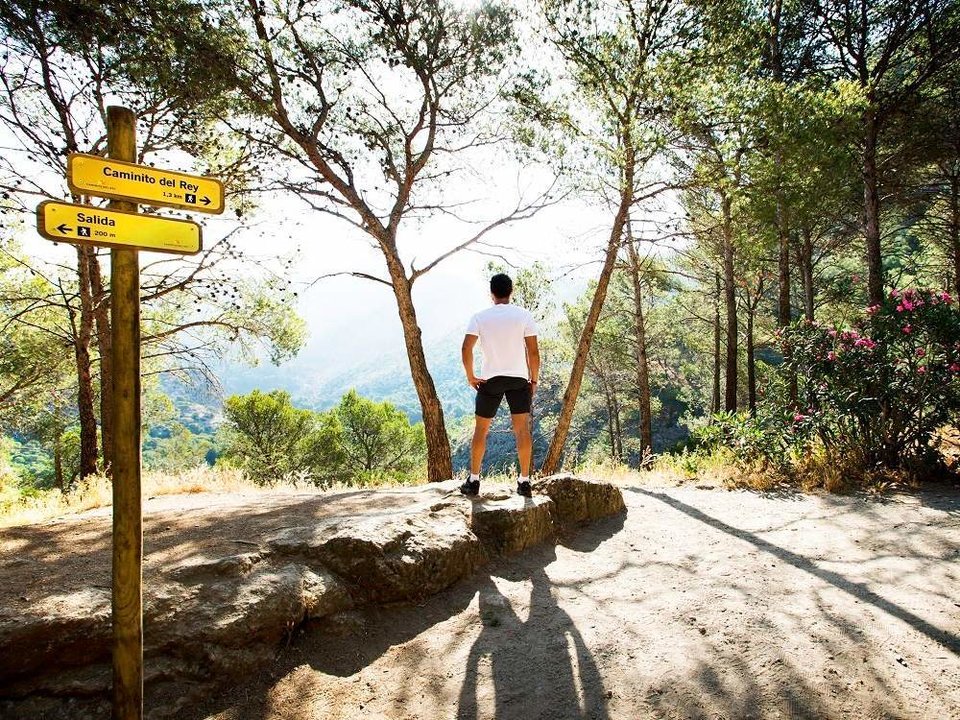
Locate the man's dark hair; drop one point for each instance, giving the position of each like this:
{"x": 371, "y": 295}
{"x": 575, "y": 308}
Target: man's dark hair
{"x": 501, "y": 286}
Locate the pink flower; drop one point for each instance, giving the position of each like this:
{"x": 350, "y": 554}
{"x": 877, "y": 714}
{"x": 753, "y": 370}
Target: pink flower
{"x": 907, "y": 329}
{"x": 799, "y": 417}
{"x": 832, "y": 333}
{"x": 873, "y": 309}
{"x": 831, "y": 355}
{"x": 921, "y": 352}
{"x": 865, "y": 342}
{"x": 894, "y": 293}
{"x": 900, "y": 307}
{"x": 921, "y": 370}
{"x": 906, "y": 305}
{"x": 855, "y": 279}
{"x": 945, "y": 296}
{"x": 955, "y": 367}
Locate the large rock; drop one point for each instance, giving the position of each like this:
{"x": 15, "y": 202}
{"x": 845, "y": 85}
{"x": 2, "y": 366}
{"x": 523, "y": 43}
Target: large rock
{"x": 403, "y": 558}
{"x": 509, "y": 523}
{"x": 577, "y": 500}
{"x": 211, "y": 616}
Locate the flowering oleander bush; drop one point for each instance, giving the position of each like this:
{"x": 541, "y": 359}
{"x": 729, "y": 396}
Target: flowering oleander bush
{"x": 882, "y": 388}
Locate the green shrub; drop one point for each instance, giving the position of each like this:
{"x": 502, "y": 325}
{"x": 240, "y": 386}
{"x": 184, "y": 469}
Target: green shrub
{"x": 883, "y": 388}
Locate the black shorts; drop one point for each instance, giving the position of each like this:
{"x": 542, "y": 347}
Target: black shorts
{"x": 492, "y": 391}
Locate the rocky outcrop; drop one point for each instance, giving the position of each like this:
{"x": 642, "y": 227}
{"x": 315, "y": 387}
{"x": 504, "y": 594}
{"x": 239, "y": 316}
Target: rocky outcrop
{"x": 212, "y": 616}
{"x": 577, "y": 501}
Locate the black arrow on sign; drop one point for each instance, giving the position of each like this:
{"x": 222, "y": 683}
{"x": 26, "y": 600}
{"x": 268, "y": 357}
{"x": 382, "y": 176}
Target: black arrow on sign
{"x": 206, "y": 200}
{"x": 64, "y": 229}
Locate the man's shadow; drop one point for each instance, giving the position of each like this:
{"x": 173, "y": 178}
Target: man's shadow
{"x": 540, "y": 668}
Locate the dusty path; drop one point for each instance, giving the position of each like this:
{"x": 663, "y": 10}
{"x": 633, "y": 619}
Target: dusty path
{"x": 702, "y": 604}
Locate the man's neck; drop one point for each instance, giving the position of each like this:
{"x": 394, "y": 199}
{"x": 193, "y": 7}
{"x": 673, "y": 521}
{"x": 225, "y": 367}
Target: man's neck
{"x": 501, "y": 301}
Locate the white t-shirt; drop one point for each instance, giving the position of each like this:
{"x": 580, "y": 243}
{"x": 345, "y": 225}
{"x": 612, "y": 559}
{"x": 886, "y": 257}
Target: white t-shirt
{"x": 502, "y": 329}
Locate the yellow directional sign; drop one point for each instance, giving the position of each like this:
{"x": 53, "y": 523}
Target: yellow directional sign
{"x": 82, "y": 224}
{"x": 118, "y": 180}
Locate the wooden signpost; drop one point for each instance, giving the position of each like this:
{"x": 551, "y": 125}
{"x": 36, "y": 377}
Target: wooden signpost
{"x": 123, "y": 229}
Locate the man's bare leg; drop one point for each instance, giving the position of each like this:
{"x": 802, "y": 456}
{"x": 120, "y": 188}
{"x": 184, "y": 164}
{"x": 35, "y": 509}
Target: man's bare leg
{"x": 479, "y": 444}
{"x": 521, "y": 431}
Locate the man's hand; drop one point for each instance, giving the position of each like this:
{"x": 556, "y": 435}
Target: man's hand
{"x": 475, "y": 382}
{"x": 533, "y": 388}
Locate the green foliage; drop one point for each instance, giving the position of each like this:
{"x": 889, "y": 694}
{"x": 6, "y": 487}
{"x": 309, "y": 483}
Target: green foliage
{"x": 265, "y": 434}
{"x": 176, "y": 449}
{"x": 358, "y": 442}
{"x": 370, "y": 440}
{"x": 885, "y": 386}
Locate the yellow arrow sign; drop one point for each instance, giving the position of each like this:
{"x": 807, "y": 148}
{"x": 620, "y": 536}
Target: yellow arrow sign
{"x": 82, "y": 224}
{"x": 118, "y": 180}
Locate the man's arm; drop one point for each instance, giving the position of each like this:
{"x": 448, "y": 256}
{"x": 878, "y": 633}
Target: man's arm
{"x": 533, "y": 359}
{"x": 466, "y": 354}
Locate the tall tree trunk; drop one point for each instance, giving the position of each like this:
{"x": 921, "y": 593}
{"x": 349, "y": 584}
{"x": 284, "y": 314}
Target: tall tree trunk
{"x": 551, "y": 462}
{"x": 617, "y": 427}
{"x": 715, "y": 402}
{"x": 751, "y": 363}
{"x": 871, "y": 207}
{"x": 955, "y": 231}
{"x": 774, "y": 15}
{"x": 640, "y": 350}
{"x": 730, "y": 296}
{"x": 439, "y": 462}
{"x": 101, "y": 312}
{"x": 85, "y": 396}
{"x": 806, "y": 273}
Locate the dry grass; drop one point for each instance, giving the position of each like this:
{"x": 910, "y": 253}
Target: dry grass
{"x": 96, "y": 491}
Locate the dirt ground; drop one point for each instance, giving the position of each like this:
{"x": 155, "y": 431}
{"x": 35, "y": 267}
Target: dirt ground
{"x": 700, "y": 604}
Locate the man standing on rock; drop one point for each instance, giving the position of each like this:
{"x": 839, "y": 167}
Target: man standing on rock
{"x": 511, "y": 366}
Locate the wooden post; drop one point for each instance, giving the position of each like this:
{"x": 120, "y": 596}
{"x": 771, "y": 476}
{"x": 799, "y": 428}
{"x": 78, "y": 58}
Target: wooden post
{"x": 127, "y": 511}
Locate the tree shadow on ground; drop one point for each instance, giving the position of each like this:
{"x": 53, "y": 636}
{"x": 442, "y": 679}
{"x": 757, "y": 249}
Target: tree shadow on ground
{"x": 543, "y": 660}
{"x": 860, "y": 591}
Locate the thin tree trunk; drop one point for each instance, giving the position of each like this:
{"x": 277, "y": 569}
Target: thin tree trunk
{"x": 439, "y": 462}
{"x": 551, "y": 462}
{"x": 806, "y": 273}
{"x": 640, "y": 349}
{"x": 715, "y": 402}
{"x": 617, "y": 427}
{"x": 871, "y": 209}
{"x": 101, "y": 312}
{"x": 955, "y": 231}
{"x": 751, "y": 363}
{"x": 85, "y": 401}
{"x": 730, "y": 295}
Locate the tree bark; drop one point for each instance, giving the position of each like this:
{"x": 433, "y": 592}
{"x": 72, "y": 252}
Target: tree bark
{"x": 640, "y": 349}
{"x": 871, "y": 208}
{"x": 85, "y": 401}
{"x": 955, "y": 231}
{"x": 551, "y": 462}
{"x": 730, "y": 301}
{"x": 715, "y": 402}
{"x": 101, "y": 312}
{"x": 751, "y": 364}
{"x": 439, "y": 461}
{"x": 806, "y": 274}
